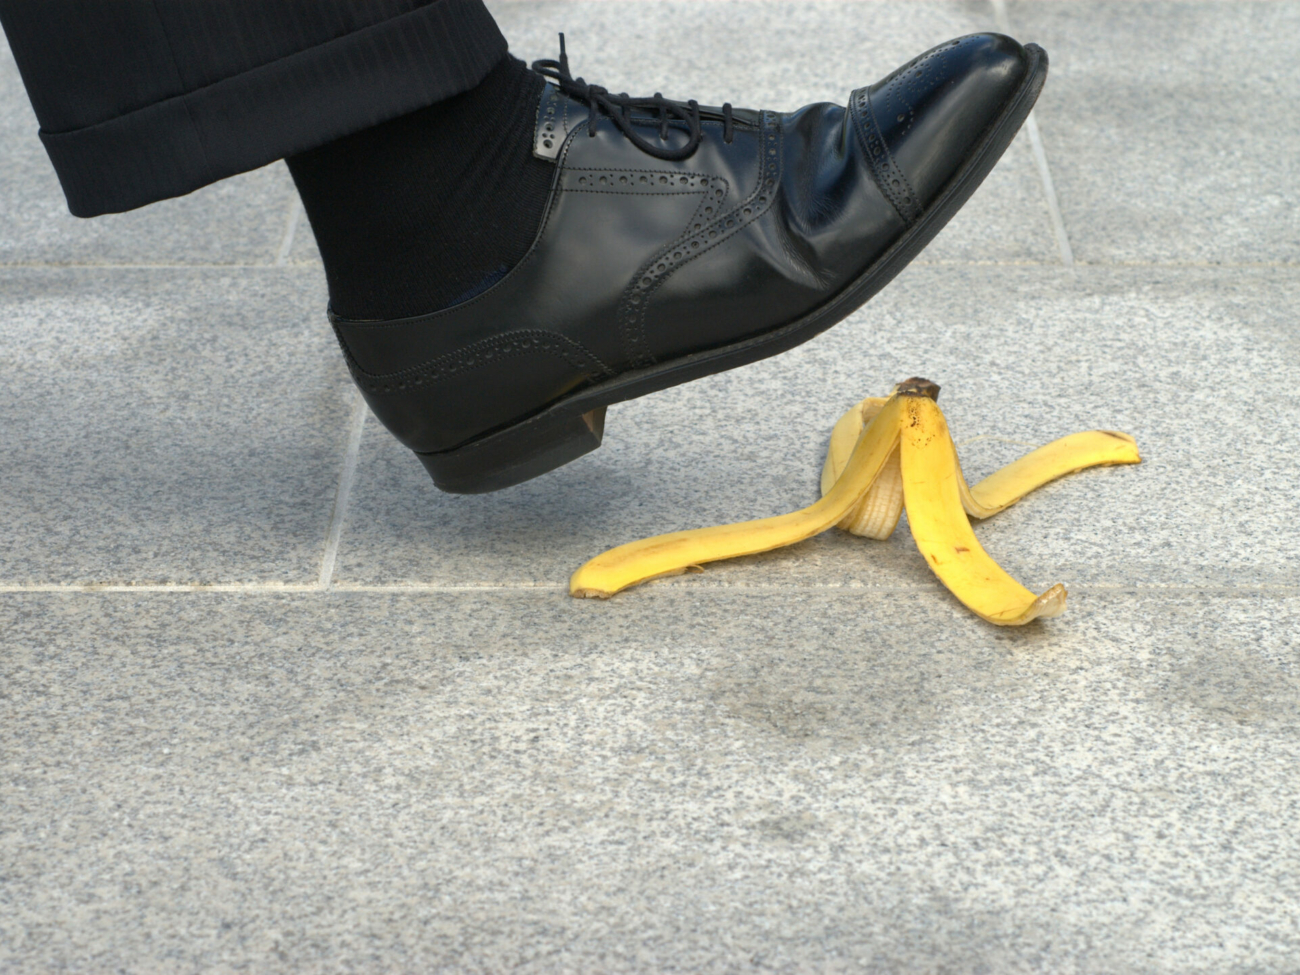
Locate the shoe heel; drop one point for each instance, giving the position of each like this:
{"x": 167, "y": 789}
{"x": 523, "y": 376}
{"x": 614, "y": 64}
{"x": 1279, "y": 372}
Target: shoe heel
{"x": 516, "y": 453}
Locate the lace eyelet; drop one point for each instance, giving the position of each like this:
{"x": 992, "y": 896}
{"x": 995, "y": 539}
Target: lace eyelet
{"x": 619, "y": 108}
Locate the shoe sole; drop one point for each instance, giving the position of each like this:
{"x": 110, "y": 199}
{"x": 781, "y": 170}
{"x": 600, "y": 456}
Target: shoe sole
{"x": 575, "y": 425}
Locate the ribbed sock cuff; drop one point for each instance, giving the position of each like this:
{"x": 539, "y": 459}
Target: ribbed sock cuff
{"x": 428, "y": 209}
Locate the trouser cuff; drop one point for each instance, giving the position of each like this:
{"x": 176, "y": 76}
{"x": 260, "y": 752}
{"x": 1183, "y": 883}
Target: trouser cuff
{"x": 288, "y": 106}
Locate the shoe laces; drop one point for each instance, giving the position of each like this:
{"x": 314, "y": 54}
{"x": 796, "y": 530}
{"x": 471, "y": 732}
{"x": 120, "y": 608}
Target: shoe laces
{"x": 619, "y": 108}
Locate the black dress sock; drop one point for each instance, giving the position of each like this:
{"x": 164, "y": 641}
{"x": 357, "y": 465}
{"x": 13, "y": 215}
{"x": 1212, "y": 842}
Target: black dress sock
{"x": 429, "y": 209}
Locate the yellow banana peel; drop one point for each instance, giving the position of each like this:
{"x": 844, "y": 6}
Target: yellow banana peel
{"x": 942, "y": 532}
{"x": 887, "y": 455}
{"x": 679, "y": 552}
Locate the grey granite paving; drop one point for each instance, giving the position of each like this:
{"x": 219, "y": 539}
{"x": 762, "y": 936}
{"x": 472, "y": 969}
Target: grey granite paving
{"x": 813, "y": 760}
{"x": 1171, "y": 128}
{"x": 456, "y": 782}
{"x": 167, "y": 425}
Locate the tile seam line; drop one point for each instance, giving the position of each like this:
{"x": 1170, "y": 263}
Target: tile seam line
{"x": 1003, "y": 23}
{"x": 308, "y": 588}
{"x": 1049, "y": 191}
{"x": 290, "y": 231}
{"x": 347, "y": 476}
{"x": 260, "y": 588}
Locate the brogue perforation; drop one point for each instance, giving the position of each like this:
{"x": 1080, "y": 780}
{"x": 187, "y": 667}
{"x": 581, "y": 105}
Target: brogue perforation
{"x": 480, "y": 353}
{"x": 892, "y": 181}
{"x": 698, "y": 238}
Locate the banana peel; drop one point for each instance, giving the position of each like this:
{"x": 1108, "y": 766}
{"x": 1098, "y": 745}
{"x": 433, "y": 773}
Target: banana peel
{"x": 887, "y": 455}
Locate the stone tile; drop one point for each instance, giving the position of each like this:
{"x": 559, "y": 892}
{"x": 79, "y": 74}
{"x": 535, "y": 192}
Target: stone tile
{"x": 726, "y": 782}
{"x": 237, "y": 221}
{"x": 1025, "y": 355}
{"x": 783, "y": 55}
{"x": 1170, "y": 128}
{"x": 167, "y": 425}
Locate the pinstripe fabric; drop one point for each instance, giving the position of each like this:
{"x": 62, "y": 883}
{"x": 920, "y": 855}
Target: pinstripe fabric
{"x": 139, "y": 100}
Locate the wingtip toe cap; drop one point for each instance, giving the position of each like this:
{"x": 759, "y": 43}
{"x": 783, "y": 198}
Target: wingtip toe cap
{"x": 933, "y": 110}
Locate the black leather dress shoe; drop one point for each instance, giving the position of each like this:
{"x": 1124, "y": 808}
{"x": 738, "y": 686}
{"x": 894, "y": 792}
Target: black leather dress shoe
{"x": 679, "y": 241}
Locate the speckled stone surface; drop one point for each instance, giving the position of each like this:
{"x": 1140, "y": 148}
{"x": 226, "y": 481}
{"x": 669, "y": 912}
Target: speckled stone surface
{"x": 735, "y": 782}
{"x": 1025, "y": 355}
{"x": 237, "y": 221}
{"x": 167, "y": 425}
{"x": 1170, "y": 128}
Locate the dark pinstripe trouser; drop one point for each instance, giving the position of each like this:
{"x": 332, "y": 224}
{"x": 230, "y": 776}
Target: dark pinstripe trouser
{"x": 139, "y": 100}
